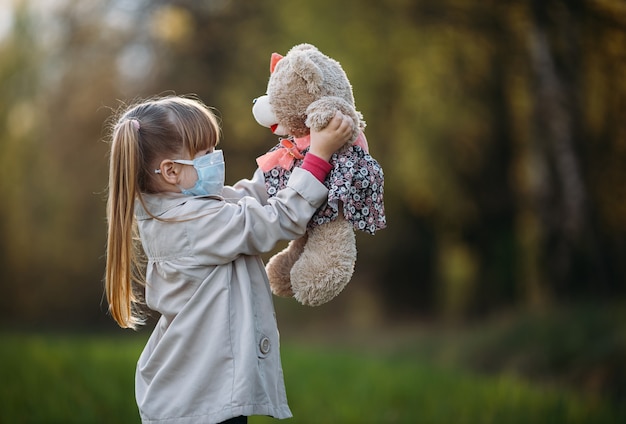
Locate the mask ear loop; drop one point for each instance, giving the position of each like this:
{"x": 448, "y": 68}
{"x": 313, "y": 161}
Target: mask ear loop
{"x": 181, "y": 161}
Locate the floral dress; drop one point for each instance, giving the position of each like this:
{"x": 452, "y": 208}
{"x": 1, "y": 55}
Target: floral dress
{"x": 356, "y": 180}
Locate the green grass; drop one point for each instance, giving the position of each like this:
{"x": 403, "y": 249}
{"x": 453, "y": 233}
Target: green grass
{"x": 89, "y": 379}
{"x": 353, "y": 387}
{"x": 67, "y": 379}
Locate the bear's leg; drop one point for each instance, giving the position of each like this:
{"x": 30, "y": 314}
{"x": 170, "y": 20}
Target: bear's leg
{"x": 278, "y": 268}
{"x": 326, "y": 263}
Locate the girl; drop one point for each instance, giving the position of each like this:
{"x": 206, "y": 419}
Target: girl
{"x": 214, "y": 353}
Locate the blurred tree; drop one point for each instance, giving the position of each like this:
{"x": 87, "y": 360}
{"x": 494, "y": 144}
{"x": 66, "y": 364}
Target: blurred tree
{"x": 572, "y": 259}
{"x": 23, "y": 213}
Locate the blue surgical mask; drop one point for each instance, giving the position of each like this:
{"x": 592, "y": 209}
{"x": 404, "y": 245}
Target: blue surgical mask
{"x": 210, "y": 170}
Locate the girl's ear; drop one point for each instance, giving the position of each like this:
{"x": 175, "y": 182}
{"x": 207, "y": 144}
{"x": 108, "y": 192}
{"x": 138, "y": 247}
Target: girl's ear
{"x": 170, "y": 171}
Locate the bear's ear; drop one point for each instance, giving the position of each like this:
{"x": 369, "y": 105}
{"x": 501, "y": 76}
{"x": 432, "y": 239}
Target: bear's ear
{"x": 274, "y": 60}
{"x": 308, "y": 70}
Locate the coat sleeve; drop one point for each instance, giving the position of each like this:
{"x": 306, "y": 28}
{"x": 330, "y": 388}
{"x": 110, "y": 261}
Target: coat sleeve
{"x": 251, "y": 228}
{"x": 254, "y": 188}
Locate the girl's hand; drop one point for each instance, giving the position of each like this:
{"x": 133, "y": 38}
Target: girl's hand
{"x": 327, "y": 141}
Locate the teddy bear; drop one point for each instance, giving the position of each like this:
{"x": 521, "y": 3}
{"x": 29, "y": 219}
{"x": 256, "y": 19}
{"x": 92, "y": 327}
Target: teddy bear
{"x": 304, "y": 91}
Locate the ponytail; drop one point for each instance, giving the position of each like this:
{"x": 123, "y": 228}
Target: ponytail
{"x": 143, "y": 135}
{"x": 123, "y": 258}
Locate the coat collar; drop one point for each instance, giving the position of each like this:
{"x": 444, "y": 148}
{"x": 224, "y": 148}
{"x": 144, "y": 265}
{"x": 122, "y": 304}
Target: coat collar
{"x": 159, "y": 204}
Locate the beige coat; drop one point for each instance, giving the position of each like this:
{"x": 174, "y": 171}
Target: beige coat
{"x": 214, "y": 353}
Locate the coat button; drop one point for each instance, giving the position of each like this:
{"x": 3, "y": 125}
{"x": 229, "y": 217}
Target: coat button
{"x": 264, "y": 345}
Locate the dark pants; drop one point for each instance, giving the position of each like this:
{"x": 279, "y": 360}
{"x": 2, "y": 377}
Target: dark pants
{"x": 236, "y": 420}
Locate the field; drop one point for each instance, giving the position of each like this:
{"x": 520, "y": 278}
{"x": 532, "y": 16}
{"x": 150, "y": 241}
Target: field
{"x": 63, "y": 378}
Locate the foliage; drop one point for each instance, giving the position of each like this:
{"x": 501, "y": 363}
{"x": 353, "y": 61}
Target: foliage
{"x": 89, "y": 379}
{"x": 499, "y": 126}
{"x": 578, "y": 345}
{"x": 67, "y": 379}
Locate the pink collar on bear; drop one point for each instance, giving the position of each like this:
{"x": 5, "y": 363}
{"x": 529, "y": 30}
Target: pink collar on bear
{"x": 292, "y": 149}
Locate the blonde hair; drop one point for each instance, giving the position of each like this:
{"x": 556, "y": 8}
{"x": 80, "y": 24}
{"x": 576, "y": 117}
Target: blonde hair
{"x": 143, "y": 135}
